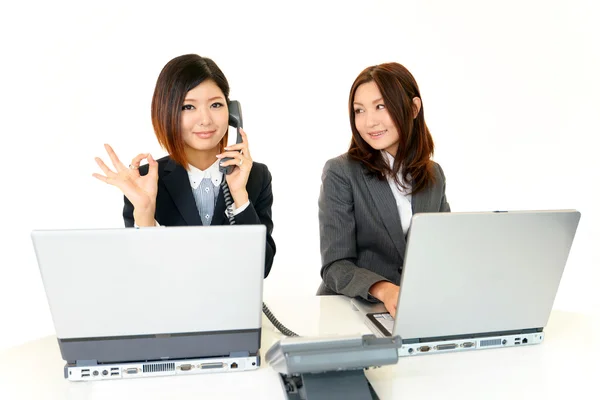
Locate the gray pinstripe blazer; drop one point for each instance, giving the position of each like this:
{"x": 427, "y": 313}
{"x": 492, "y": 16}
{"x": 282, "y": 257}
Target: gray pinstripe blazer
{"x": 361, "y": 236}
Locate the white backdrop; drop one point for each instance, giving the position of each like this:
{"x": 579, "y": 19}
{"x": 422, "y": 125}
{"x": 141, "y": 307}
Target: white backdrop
{"x": 510, "y": 92}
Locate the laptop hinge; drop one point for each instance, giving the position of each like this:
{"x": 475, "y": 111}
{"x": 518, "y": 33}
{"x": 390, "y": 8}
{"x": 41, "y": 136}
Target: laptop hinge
{"x": 86, "y": 363}
{"x": 239, "y": 354}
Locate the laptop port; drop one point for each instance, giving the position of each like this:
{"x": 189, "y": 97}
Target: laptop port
{"x": 114, "y": 374}
{"x": 524, "y": 341}
{"x": 96, "y": 373}
{"x": 85, "y": 374}
{"x": 114, "y": 369}
{"x": 234, "y": 365}
{"x": 131, "y": 371}
{"x": 424, "y": 349}
{"x": 448, "y": 346}
{"x": 185, "y": 367}
{"x": 105, "y": 372}
{"x": 211, "y": 365}
{"x": 467, "y": 345}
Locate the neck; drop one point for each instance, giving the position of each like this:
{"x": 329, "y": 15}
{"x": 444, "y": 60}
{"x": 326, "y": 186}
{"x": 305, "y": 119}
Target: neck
{"x": 391, "y": 151}
{"x": 201, "y": 159}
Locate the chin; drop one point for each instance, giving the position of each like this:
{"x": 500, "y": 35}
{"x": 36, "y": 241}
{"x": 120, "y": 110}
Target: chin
{"x": 377, "y": 146}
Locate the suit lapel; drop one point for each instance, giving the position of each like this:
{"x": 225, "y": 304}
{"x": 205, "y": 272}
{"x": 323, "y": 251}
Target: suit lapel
{"x": 385, "y": 203}
{"x": 219, "y": 213}
{"x": 177, "y": 182}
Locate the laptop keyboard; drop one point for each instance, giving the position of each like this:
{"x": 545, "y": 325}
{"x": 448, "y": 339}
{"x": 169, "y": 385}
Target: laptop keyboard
{"x": 386, "y": 320}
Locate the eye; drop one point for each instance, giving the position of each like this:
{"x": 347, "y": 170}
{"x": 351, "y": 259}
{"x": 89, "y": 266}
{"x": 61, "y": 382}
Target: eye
{"x": 217, "y": 105}
{"x": 187, "y": 107}
{"x": 380, "y": 106}
{"x": 358, "y": 110}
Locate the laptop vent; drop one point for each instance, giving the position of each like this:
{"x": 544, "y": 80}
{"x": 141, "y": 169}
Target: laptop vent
{"x": 490, "y": 342}
{"x": 162, "y": 367}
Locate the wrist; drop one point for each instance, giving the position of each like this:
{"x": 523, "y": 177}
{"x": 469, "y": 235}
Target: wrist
{"x": 240, "y": 197}
{"x": 144, "y": 217}
{"x": 378, "y": 289}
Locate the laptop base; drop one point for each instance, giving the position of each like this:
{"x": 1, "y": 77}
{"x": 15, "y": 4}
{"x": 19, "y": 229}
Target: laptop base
{"x": 424, "y": 347}
{"x": 446, "y": 346}
{"x": 145, "y": 369}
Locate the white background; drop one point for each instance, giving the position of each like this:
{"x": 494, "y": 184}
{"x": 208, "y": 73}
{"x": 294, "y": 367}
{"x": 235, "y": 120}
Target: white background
{"x": 510, "y": 93}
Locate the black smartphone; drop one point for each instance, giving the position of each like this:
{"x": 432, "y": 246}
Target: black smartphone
{"x": 233, "y": 135}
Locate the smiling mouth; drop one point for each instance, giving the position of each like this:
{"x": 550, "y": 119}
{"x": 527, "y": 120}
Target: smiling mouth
{"x": 205, "y": 134}
{"x": 377, "y": 134}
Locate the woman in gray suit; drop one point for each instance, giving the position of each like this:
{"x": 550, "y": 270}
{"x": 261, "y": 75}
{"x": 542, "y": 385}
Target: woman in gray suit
{"x": 369, "y": 194}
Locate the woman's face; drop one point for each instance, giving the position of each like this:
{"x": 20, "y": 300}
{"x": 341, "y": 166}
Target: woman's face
{"x": 372, "y": 119}
{"x": 204, "y": 117}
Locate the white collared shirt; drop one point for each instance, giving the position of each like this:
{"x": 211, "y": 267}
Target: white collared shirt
{"x": 403, "y": 197}
{"x": 196, "y": 175}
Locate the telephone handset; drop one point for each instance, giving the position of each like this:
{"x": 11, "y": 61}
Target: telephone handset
{"x": 233, "y": 135}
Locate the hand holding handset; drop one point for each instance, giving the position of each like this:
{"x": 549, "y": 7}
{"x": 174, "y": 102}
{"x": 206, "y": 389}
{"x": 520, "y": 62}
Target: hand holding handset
{"x": 233, "y": 135}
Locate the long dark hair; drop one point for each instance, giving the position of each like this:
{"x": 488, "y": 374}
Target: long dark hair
{"x": 398, "y": 88}
{"x": 178, "y": 77}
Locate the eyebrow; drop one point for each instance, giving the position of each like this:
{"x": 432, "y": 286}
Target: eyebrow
{"x": 374, "y": 101}
{"x": 211, "y": 99}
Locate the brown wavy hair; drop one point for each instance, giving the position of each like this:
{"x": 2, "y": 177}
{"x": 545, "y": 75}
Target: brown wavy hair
{"x": 398, "y": 88}
{"x": 178, "y": 77}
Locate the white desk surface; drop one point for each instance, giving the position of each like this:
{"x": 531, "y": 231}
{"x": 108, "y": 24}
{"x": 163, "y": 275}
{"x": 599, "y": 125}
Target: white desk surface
{"x": 566, "y": 365}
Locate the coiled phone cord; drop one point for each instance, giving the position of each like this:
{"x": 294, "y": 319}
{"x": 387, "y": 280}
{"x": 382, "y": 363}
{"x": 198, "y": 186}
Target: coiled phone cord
{"x": 229, "y": 204}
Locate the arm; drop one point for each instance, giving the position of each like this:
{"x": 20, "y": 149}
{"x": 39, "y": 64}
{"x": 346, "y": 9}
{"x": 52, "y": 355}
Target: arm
{"x": 444, "y": 206}
{"x": 259, "y": 213}
{"x": 337, "y": 228}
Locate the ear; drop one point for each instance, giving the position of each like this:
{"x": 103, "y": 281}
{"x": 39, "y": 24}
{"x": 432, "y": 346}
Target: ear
{"x": 416, "y": 106}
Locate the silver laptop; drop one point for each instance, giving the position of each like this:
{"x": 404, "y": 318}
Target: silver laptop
{"x": 477, "y": 280}
{"x": 154, "y": 301}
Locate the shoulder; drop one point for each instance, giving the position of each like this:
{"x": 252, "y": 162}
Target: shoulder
{"x": 439, "y": 172}
{"x": 259, "y": 169}
{"x": 343, "y": 165}
{"x": 259, "y": 175}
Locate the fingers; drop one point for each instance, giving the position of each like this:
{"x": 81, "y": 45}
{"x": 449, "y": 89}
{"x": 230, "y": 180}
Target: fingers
{"x": 232, "y": 154}
{"x": 241, "y": 146}
{"x": 245, "y": 142}
{"x": 113, "y": 157}
{"x": 153, "y": 165}
{"x": 237, "y": 159}
{"x": 393, "y": 312}
{"x": 107, "y": 171}
{"x": 121, "y": 175}
{"x": 135, "y": 163}
{"x": 100, "y": 177}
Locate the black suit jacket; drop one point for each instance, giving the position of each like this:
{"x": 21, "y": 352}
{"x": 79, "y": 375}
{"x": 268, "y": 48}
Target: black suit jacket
{"x": 175, "y": 204}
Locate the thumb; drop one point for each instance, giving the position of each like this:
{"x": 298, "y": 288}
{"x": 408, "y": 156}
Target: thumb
{"x": 153, "y": 165}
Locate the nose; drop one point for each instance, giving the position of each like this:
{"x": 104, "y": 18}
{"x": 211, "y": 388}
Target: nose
{"x": 371, "y": 119}
{"x": 203, "y": 118}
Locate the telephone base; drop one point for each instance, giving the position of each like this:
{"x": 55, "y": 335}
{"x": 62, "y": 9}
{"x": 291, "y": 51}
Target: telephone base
{"x": 333, "y": 385}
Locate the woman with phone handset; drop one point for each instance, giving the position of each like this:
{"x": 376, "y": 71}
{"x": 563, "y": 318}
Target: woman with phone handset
{"x": 190, "y": 116}
{"x": 369, "y": 194}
